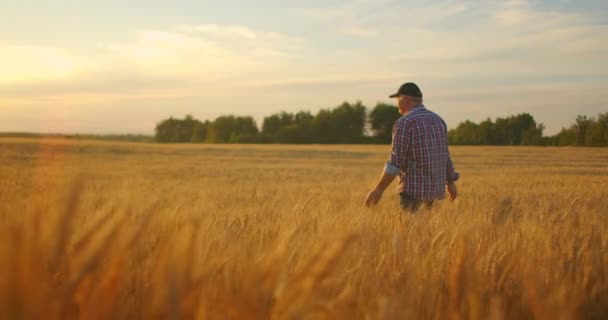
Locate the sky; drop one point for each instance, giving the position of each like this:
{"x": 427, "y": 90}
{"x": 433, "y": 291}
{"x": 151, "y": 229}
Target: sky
{"x": 114, "y": 67}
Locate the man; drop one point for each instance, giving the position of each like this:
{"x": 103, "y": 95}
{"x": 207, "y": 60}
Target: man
{"x": 419, "y": 155}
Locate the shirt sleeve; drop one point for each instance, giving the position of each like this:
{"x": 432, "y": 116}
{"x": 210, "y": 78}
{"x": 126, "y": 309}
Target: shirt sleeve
{"x": 399, "y": 150}
{"x": 451, "y": 173}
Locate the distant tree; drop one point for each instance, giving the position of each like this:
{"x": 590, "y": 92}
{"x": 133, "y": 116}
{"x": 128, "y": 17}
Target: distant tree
{"x": 164, "y": 131}
{"x": 302, "y": 131}
{"x": 349, "y": 122}
{"x": 294, "y": 134}
{"x": 199, "y": 132}
{"x": 221, "y": 129}
{"x": 343, "y": 124}
{"x": 246, "y": 130}
{"x": 467, "y": 133}
{"x": 346, "y": 124}
{"x": 169, "y": 131}
{"x": 487, "y": 132}
{"x": 501, "y": 132}
{"x": 533, "y": 135}
{"x": 382, "y": 119}
{"x": 324, "y": 127}
{"x": 231, "y": 129}
{"x": 175, "y": 130}
{"x": 521, "y": 129}
{"x": 597, "y": 133}
{"x": 303, "y": 118}
{"x": 581, "y": 127}
{"x": 566, "y": 137}
{"x": 273, "y": 123}
{"x": 186, "y": 128}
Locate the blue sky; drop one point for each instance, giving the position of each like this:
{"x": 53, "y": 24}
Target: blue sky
{"x": 121, "y": 66}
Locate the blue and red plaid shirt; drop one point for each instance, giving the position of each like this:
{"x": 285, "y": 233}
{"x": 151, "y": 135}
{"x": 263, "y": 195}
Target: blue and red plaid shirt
{"x": 420, "y": 155}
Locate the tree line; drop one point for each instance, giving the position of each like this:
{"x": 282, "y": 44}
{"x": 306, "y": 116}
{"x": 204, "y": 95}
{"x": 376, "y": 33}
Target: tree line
{"x": 345, "y": 123}
{"x": 349, "y": 123}
{"x": 522, "y": 129}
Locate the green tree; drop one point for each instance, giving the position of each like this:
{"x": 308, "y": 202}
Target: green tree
{"x": 231, "y": 129}
{"x": 533, "y": 135}
{"x": 303, "y": 118}
{"x": 273, "y": 123}
{"x": 245, "y": 131}
{"x": 597, "y": 133}
{"x": 487, "y": 132}
{"x": 175, "y": 130}
{"x": 521, "y": 129}
{"x": 164, "y": 131}
{"x": 199, "y": 132}
{"x": 302, "y": 131}
{"x": 349, "y": 122}
{"x": 324, "y": 127}
{"x": 185, "y": 128}
{"x": 382, "y": 119}
{"x": 581, "y": 127}
{"x": 566, "y": 137}
{"x": 467, "y": 133}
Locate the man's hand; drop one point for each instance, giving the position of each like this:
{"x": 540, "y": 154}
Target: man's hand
{"x": 373, "y": 197}
{"x": 452, "y": 191}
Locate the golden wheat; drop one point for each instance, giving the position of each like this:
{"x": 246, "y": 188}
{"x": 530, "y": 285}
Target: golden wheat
{"x": 100, "y": 230}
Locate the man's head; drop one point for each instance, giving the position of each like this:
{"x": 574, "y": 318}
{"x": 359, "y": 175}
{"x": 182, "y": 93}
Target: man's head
{"x": 408, "y": 96}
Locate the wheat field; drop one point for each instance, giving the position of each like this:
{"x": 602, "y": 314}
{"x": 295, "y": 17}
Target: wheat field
{"x": 102, "y": 230}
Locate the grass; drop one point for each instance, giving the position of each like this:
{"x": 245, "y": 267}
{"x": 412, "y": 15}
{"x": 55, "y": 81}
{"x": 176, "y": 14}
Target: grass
{"x": 102, "y": 230}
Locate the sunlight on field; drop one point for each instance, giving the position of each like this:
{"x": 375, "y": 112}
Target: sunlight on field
{"x": 101, "y": 230}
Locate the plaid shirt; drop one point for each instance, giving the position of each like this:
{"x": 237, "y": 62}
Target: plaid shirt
{"x": 420, "y": 155}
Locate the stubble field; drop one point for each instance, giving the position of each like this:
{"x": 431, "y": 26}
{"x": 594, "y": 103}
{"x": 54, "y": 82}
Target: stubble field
{"x": 100, "y": 230}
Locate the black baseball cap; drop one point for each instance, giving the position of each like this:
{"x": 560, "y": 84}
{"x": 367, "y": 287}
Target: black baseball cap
{"x": 408, "y": 89}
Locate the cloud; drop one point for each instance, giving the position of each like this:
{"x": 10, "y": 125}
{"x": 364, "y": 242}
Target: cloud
{"x": 524, "y": 15}
{"x": 172, "y": 53}
{"x": 359, "y": 31}
{"x": 329, "y": 80}
{"x": 367, "y": 18}
{"x": 27, "y": 64}
{"x": 530, "y": 45}
{"x": 180, "y": 61}
{"x": 222, "y": 32}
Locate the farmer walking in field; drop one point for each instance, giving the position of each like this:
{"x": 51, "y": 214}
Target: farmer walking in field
{"x": 419, "y": 155}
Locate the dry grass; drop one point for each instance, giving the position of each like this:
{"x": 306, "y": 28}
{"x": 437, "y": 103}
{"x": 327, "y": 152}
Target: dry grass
{"x": 92, "y": 230}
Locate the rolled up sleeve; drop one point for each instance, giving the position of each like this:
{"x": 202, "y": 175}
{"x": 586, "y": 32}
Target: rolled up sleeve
{"x": 391, "y": 169}
{"x": 400, "y": 147}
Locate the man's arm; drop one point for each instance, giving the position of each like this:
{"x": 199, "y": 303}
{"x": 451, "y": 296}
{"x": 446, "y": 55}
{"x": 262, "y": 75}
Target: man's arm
{"x": 388, "y": 175}
{"x": 392, "y": 168}
{"x": 452, "y": 176}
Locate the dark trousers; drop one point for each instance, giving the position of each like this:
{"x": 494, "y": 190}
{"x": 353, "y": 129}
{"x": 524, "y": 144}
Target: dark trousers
{"x": 412, "y": 204}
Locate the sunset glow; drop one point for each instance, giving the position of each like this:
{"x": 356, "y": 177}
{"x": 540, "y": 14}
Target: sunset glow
{"x": 472, "y": 60}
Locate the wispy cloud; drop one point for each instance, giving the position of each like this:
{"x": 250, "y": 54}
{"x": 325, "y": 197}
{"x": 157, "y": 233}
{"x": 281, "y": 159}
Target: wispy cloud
{"x": 358, "y": 31}
{"x": 173, "y": 53}
{"x": 367, "y": 18}
{"x": 176, "y": 60}
{"x": 221, "y": 32}
{"x": 26, "y": 64}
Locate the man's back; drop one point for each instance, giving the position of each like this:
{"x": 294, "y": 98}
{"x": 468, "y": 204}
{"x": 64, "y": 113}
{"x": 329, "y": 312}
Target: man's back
{"x": 420, "y": 150}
